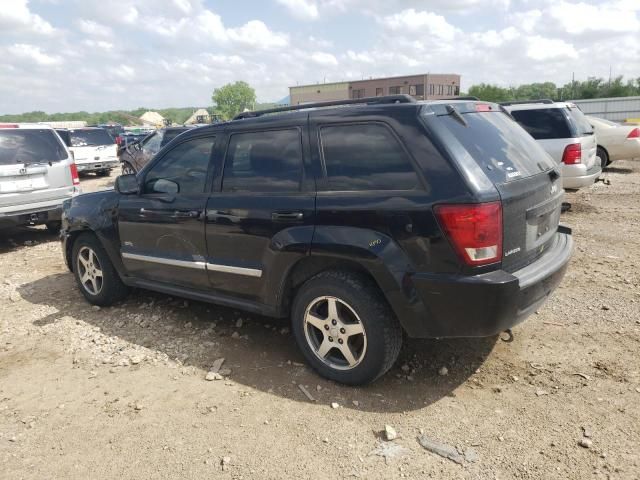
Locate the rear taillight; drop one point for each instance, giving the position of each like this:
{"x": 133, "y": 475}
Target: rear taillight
{"x": 635, "y": 133}
{"x": 9, "y": 125}
{"x": 118, "y": 140}
{"x": 475, "y": 230}
{"x": 74, "y": 174}
{"x": 572, "y": 154}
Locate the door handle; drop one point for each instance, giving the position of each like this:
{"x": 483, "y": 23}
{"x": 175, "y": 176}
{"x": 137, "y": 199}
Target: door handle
{"x": 287, "y": 216}
{"x": 186, "y": 214}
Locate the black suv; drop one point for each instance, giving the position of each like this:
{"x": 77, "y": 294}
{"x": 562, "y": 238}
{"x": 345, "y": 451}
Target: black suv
{"x": 359, "y": 220}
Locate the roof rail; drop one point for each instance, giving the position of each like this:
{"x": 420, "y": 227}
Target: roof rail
{"x": 389, "y": 99}
{"x": 468, "y": 97}
{"x": 524, "y": 102}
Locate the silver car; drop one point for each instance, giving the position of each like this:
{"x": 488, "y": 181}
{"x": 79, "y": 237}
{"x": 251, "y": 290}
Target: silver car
{"x": 566, "y": 134}
{"x": 37, "y": 174}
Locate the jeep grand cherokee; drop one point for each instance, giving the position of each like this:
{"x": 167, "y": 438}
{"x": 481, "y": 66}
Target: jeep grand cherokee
{"x": 357, "y": 219}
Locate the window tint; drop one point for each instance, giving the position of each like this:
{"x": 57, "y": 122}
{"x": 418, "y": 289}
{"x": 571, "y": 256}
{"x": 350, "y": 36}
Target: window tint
{"x": 582, "y": 123}
{"x": 498, "y": 144}
{"x": 268, "y": 161}
{"x": 171, "y": 134}
{"x": 544, "y": 123}
{"x": 365, "y": 157}
{"x": 30, "y": 146}
{"x": 185, "y": 165}
{"x": 90, "y": 138}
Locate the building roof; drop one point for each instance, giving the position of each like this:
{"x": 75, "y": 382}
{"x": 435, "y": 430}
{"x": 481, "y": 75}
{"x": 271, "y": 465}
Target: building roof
{"x": 374, "y": 78}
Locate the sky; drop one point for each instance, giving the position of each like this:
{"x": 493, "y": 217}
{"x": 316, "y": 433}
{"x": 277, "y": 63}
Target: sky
{"x": 97, "y": 55}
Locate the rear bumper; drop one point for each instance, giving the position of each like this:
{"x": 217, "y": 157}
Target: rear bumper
{"x": 487, "y": 304}
{"x": 107, "y": 164}
{"x": 577, "y": 176}
{"x": 34, "y": 213}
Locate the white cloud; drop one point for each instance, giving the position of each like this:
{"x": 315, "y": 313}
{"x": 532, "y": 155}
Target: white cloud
{"x": 577, "y": 18}
{"x": 15, "y": 16}
{"x": 324, "y": 59}
{"x": 35, "y": 54}
{"x": 425, "y": 23}
{"x": 541, "y": 48}
{"x": 94, "y": 28}
{"x": 303, "y": 9}
{"x": 256, "y": 34}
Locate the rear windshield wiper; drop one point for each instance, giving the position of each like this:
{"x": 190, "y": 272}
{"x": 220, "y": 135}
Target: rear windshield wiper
{"x": 451, "y": 110}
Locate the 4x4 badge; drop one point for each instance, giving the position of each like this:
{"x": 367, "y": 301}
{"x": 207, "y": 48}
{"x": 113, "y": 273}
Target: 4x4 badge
{"x": 23, "y": 171}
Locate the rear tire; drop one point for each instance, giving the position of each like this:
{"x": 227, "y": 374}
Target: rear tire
{"x": 344, "y": 327}
{"x": 103, "y": 173}
{"x": 95, "y": 275}
{"x": 604, "y": 157}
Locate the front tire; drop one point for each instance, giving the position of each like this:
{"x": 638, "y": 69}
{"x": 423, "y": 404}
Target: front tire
{"x": 95, "y": 275}
{"x": 604, "y": 157}
{"x": 344, "y": 328}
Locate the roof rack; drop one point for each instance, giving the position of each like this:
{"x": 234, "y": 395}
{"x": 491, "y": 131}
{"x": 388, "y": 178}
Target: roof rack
{"x": 389, "y": 99}
{"x": 524, "y": 102}
{"x": 468, "y": 97}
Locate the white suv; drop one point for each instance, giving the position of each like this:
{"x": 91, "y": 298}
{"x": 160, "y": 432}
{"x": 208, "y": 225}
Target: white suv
{"x": 565, "y": 133}
{"x": 94, "y": 149}
{"x": 37, "y": 174}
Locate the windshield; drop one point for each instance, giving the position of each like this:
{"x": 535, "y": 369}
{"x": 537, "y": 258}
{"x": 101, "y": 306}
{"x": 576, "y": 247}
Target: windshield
{"x": 582, "y": 123}
{"x": 503, "y": 149}
{"x": 90, "y": 138}
{"x": 30, "y": 146}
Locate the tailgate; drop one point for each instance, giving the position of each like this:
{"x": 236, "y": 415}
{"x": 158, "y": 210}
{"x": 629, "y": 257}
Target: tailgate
{"x": 531, "y": 214}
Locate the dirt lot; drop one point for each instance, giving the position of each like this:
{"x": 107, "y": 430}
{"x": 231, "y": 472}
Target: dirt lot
{"x": 121, "y": 392}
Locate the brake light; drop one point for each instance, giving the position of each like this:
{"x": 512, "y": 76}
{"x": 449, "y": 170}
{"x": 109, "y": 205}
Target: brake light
{"x": 475, "y": 230}
{"x": 572, "y": 154}
{"x": 118, "y": 140}
{"x": 635, "y": 133}
{"x": 74, "y": 174}
{"x": 483, "y": 107}
{"x": 9, "y": 125}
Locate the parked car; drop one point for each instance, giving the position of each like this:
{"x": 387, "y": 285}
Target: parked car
{"x": 37, "y": 174}
{"x": 115, "y": 130}
{"x": 139, "y": 154}
{"x": 615, "y": 141}
{"x": 358, "y": 219}
{"x": 565, "y": 133}
{"x": 93, "y": 148}
{"x": 129, "y": 139}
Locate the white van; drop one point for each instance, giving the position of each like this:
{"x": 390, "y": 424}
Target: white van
{"x": 37, "y": 174}
{"x": 93, "y": 148}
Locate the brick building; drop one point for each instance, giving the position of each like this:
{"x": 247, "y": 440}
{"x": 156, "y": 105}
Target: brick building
{"x": 428, "y": 86}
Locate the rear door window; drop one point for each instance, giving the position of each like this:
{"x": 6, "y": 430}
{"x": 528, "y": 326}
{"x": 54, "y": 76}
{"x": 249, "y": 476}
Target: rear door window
{"x": 30, "y": 146}
{"x": 269, "y": 161}
{"x": 499, "y": 145}
{"x": 365, "y": 157}
{"x": 582, "y": 123}
{"x": 90, "y": 138}
{"x": 544, "y": 123}
{"x": 170, "y": 135}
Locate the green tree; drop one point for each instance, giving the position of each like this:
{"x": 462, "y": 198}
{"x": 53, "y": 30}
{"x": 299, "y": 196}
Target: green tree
{"x": 233, "y": 98}
{"x": 491, "y": 93}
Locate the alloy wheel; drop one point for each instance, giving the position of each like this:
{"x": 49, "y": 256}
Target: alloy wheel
{"x": 89, "y": 271}
{"x": 335, "y": 333}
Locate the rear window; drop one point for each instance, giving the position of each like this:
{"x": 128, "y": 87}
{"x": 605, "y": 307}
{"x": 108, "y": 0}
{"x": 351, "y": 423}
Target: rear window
{"x": 499, "y": 145}
{"x": 30, "y": 146}
{"x": 90, "y": 138}
{"x": 544, "y": 123}
{"x": 582, "y": 123}
{"x": 365, "y": 157}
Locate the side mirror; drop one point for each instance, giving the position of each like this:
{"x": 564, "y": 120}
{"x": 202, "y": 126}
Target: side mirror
{"x": 127, "y": 185}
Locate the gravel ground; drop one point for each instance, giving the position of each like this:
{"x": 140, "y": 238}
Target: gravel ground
{"x": 122, "y": 392}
